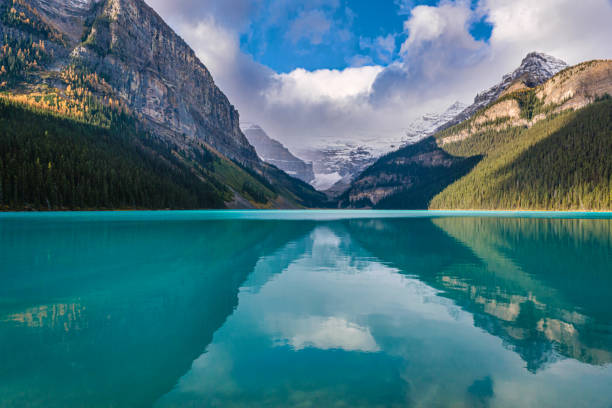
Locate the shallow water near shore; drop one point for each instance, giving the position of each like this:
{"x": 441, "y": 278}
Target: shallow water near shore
{"x": 305, "y": 308}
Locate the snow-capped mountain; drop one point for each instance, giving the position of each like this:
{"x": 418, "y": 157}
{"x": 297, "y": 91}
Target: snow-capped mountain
{"x": 535, "y": 69}
{"x": 337, "y": 162}
{"x": 274, "y": 152}
{"x": 344, "y": 162}
{"x": 428, "y": 124}
{"x": 336, "y": 165}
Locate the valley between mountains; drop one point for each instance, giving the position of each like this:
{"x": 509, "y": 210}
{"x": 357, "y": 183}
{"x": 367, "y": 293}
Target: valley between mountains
{"x": 104, "y": 106}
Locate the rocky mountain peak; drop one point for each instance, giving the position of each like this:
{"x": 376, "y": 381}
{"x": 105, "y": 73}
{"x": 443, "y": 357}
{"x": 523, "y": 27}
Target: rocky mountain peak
{"x": 535, "y": 69}
{"x": 146, "y": 66}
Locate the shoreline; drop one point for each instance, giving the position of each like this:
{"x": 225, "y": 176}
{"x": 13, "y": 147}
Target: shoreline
{"x": 307, "y": 214}
{"x": 437, "y": 210}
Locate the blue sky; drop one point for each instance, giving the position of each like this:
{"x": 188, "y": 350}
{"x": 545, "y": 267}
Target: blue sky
{"x": 332, "y": 35}
{"x": 361, "y": 71}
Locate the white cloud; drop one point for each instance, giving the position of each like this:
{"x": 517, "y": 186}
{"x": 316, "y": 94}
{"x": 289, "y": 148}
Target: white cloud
{"x": 216, "y": 46}
{"x": 359, "y": 60}
{"x": 327, "y": 333}
{"x": 439, "y": 62}
{"x": 426, "y": 24}
{"x": 232, "y": 13}
{"x": 439, "y": 40}
{"x": 569, "y": 29}
{"x": 314, "y": 87}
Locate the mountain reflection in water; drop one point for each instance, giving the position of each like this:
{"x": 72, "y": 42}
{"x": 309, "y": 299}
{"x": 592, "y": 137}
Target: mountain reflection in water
{"x": 351, "y": 312}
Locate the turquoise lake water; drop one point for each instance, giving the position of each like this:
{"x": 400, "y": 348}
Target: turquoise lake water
{"x": 305, "y": 309}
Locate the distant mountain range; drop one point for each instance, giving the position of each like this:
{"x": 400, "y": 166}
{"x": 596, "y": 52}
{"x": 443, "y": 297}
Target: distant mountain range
{"x": 540, "y": 139}
{"x": 116, "y": 66}
{"x": 273, "y": 152}
{"x": 337, "y": 164}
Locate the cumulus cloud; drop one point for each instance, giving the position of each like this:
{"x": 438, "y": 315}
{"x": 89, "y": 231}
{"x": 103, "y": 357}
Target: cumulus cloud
{"x": 327, "y": 333}
{"x": 438, "y": 63}
{"x": 439, "y": 50}
{"x": 324, "y": 85}
{"x": 568, "y": 29}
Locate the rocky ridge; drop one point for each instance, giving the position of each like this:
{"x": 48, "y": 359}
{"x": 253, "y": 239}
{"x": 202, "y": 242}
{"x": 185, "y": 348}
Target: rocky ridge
{"x": 429, "y": 123}
{"x": 274, "y": 152}
{"x": 535, "y": 69}
{"x": 572, "y": 88}
{"x": 336, "y": 165}
{"x": 159, "y": 75}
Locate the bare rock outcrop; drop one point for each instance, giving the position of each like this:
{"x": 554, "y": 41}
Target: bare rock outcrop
{"x": 150, "y": 68}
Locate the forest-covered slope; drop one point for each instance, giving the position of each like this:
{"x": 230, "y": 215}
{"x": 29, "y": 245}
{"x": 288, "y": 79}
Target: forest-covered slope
{"x": 56, "y": 161}
{"x": 547, "y": 147}
{"x": 408, "y": 178}
{"x": 561, "y": 163}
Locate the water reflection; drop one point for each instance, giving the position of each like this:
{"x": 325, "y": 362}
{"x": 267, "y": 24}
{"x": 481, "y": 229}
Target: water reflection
{"x": 352, "y": 312}
{"x": 56, "y": 316}
{"x": 541, "y": 285}
{"x": 383, "y": 313}
{"x": 114, "y": 313}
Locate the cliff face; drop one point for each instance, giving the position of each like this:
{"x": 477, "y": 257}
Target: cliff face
{"x": 159, "y": 75}
{"x": 571, "y": 89}
{"x": 116, "y": 63}
{"x": 578, "y": 86}
{"x": 150, "y": 68}
{"x": 273, "y": 152}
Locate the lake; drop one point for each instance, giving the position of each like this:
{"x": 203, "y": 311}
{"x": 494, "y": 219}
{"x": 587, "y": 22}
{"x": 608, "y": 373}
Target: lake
{"x": 305, "y": 309}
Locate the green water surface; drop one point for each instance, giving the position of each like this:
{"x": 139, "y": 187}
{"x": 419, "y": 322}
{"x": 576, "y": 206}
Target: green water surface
{"x": 305, "y": 309}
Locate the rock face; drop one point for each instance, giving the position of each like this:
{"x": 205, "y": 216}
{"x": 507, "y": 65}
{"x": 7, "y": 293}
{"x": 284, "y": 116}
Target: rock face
{"x": 67, "y": 16}
{"x": 535, "y": 69}
{"x": 573, "y": 88}
{"x": 578, "y": 86}
{"x": 273, "y": 152}
{"x": 151, "y": 69}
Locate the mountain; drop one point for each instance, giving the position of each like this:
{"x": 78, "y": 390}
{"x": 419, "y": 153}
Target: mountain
{"x": 535, "y": 69}
{"x": 108, "y": 63}
{"x": 337, "y": 164}
{"x": 546, "y": 146}
{"x": 407, "y": 178}
{"x": 428, "y": 124}
{"x": 273, "y": 152}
